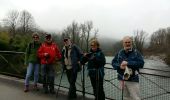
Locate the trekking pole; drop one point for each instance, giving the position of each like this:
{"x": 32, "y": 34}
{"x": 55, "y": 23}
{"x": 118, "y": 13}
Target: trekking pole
{"x": 97, "y": 84}
{"x": 60, "y": 81}
{"x": 123, "y": 84}
{"x": 83, "y": 83}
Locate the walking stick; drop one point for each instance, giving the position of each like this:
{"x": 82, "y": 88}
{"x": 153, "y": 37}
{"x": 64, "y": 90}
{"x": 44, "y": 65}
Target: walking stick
{"x": 83, "y": 83}
{"x": 123, "y": 84}
{"x": 97, "y": 84}
{"x": 60, "y": 81}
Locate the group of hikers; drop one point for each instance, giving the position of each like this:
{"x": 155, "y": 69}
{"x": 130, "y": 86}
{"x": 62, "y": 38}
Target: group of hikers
{"x": 127, "y": 62}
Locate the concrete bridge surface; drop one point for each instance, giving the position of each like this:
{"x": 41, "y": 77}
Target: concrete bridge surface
{"x": 12, "y": 89}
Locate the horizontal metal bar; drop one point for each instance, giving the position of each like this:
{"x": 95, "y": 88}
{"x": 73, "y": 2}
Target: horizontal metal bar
{"x": 12, "y": 52}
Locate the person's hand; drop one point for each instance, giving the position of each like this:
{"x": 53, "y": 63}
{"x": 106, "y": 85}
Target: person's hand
{"x": 85, "y": 54}
{"x": 84, "y": 59}
{"x": 78, "y": 62}
{"x": 25, "y": 64}
{"x": 46, "y": 55}
{"x": 64, "y": 67}
{"x": 88, "y": 55}
{"x": 123, "y": 65}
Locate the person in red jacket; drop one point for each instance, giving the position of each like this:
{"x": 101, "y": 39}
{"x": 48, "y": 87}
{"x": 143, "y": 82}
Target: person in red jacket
{"x": 48, "y": 53}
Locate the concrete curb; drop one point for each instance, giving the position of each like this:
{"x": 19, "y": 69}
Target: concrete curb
{"x": 13, "y": 80}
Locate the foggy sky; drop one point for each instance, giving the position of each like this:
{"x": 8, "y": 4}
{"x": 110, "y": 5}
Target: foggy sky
{"x": 113, "y": 18}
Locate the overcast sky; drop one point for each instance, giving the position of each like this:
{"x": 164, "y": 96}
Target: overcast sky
{"x": 113, "y": 18}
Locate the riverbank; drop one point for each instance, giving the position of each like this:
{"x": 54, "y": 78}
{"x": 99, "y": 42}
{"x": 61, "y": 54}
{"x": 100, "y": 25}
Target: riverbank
{"x": 159, "y": 57}
{"x": 163, "y": 57}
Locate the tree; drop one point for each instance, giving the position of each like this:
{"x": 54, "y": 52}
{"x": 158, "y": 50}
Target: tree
{"x": 158, "y": 40}
{"x": 75, "y": 32}
{"x": 96, "y": 33}
{"x": 167, "y": 60}
{"x": 11, "y": 21}
{"x": 139, "y": 39}
{"x": 83, "y": 29}
{"x": 72, "y": 31}
{"x": 89, "y": 25}
{"x": 80, "y": 34}
{"x": 27, "y": 23}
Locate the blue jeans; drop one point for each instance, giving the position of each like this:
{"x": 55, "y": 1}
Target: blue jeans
{"x": 30, "y": 68}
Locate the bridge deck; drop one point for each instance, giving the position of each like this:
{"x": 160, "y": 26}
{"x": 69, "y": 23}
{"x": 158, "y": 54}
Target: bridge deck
{"x": 12, "y": 89}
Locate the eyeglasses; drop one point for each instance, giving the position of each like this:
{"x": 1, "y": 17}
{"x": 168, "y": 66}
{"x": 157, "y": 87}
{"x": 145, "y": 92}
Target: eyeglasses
{"x": 65, "y": 40}
{"x": 35, "y": 37}
{"x": 127, "y": 42}
{"x": 48, "y": 38}
{"x": 92, "y": 45}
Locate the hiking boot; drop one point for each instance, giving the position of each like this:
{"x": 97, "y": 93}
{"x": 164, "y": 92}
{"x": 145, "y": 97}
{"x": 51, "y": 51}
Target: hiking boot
{"x": 52, "y": 91}
{"x": 73, "y": 96}
{"x": 26, "y": 89}
{"x": 46, "y": 91}
{"x": 36, "y": 87}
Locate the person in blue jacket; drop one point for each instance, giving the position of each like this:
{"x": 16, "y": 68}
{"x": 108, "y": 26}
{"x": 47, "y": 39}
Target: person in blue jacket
{"x": 127, "y": 62}
{"x": 96, "y": 61}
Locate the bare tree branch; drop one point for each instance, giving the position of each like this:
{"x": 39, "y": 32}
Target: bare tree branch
{"x": 11, "y": 21}
{"x": 27, "y": 22}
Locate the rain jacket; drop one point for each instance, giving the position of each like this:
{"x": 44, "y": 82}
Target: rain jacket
{"x": 135, "y": 62}
{"x": 31, "y": 52}
{"x": 96, "y": 61}
{"x": 75, "y": 56}
{"x": 53, "y": 51}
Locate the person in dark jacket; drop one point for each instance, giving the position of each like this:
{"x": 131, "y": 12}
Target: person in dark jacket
{"x": 32, "y": 61}
{"x": 127, "y": 62}
{"x": 71, "y": 55}
{"x": 48, "y": 54}
{"x": 96, "y": 61}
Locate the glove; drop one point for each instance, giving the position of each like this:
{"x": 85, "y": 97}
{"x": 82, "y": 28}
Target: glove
{"x": 88, "y": 55}
{"x": 84, "y": 60}
{"x": 64, "y": 67}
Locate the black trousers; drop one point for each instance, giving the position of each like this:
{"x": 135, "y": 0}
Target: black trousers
{"x": 71, "y": 76}
{"x": 48, "y": 75}
{"x": 97, "y": 84}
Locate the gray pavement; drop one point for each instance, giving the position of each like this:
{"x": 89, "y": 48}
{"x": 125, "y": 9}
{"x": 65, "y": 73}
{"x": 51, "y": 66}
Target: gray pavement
{"x": 12, "y": 89}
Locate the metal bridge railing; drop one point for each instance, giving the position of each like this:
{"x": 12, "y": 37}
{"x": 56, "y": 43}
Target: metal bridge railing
{"x": 152, "y": 86}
